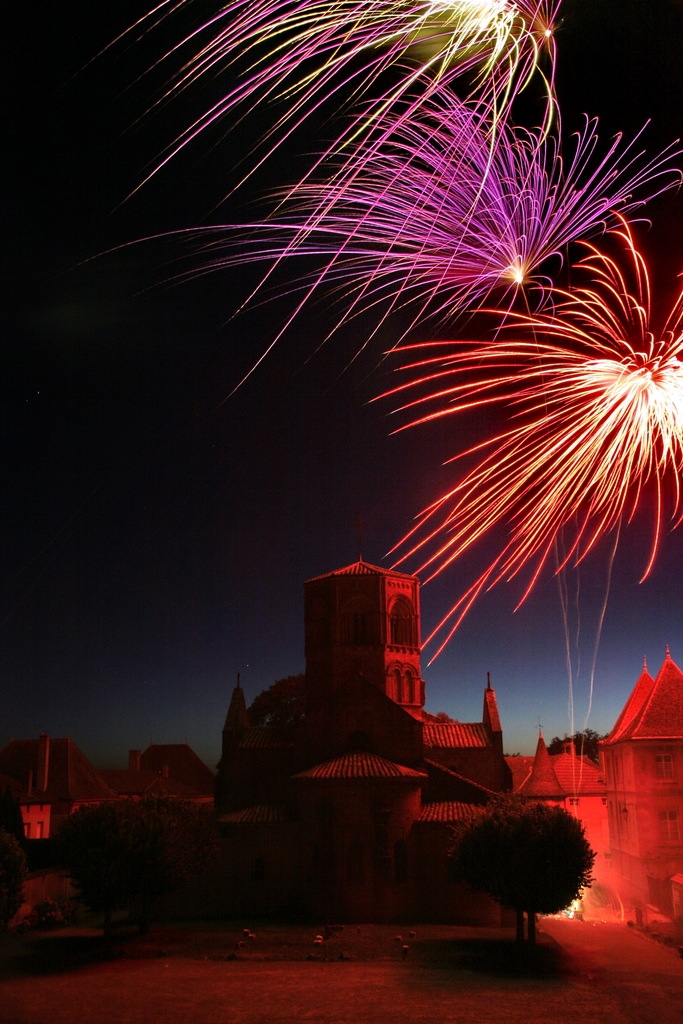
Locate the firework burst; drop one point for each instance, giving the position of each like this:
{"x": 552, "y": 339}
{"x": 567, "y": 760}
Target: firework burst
{"x": 302, "y": 54}
{"x": 593, "y": 398}
{"x": 439, "y": 220}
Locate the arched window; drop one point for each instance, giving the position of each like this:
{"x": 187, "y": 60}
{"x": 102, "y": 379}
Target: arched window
{"x": 409, "y": 688}
{"x": 403, "y": 623}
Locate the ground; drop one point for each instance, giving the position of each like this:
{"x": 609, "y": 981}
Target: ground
{"x": 605, "y": 973}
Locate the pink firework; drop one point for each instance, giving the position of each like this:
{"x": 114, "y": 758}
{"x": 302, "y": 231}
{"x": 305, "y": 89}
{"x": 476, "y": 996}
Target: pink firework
{"x": 593, "y": 397}
{"x": 441, "y": 218}
{"x": 297, "y": 56}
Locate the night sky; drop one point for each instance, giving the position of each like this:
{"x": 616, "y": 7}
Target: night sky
{"x": 157, "y": 530}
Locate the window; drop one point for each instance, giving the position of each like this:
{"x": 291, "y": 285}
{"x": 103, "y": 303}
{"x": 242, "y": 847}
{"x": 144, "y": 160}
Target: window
{"x": 403, "y": 624}
{"x": 668, "y": 826}
{"x": 664, "y": 766}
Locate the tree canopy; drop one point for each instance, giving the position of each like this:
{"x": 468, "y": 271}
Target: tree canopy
{"x": 281, "y": 705}
{"x": 127, "y": 853}
{"x": 529, "y": 857}
{"x": 585, "y": 744}
{"x": 12, "y": 874}
{"x": 10, "y": 816}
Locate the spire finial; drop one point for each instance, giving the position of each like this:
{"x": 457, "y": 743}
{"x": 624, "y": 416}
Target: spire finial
{"x": 644, "y": 663}
{"x": 668, "y": 653}
{"x": 488, "y": 680}
{"x": 359, "y": 529}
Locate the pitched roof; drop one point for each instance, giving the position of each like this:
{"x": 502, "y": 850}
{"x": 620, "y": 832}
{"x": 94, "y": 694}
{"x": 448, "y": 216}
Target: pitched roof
{"x": 632, "y": 706}
{"x": 455, "y": 734}
{"x": 268, "y": 814}
{"x": 520, "y": 765}
{"x": 360, "y": 764}
{"x": 439, "y": 772}
{"x": 125, "y": 782}
{"x": 181, "y": 763}
{"x": 574, "y": 774}
{"x": 70, "y": 776}
{"x": 578, "y": 774}
{"x": 449, "y": 811}
{"x": 361, "y": 568}
{"x": 264, "y": 737}
{"x": 542, "y": 780}
{"x": 237, "y": 717}
{"x": 655, "y": 708}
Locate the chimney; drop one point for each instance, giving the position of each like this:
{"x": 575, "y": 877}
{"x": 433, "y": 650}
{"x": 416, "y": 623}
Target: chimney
{"x": 569, "y": 747}
{"x": 43, "y": 767}
{"x": 134, "y": 760}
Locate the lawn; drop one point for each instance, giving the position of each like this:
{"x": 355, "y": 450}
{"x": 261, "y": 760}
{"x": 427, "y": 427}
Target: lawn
{"x": 207, "y": 973}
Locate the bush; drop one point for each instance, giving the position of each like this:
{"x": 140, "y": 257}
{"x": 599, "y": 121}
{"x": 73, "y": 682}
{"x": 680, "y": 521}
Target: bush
{"x": 12, "y": 874}
{"x": 50, "y": 914}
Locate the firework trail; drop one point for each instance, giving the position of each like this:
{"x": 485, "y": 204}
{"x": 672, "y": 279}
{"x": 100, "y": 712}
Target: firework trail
{"x": 593, "y": 398}
{"x": 299, "y": 56}
{"x": 439, "y": 220}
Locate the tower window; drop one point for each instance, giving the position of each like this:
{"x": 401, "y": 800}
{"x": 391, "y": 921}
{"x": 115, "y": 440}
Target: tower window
{"x": 403, "y": 624}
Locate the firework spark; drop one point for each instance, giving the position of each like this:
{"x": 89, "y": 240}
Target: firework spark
{"x": 594, "y": 401}
{"x": 439, "y": 220}
{"x": 302, "y": 53}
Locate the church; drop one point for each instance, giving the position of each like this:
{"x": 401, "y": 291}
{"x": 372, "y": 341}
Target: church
{"x": 345, "y": 815}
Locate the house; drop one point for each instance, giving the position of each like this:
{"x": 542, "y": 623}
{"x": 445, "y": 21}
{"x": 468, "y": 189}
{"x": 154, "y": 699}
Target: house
{"x": 346, "y": 815}
{"x": 53, "y": 779}
{"x": 163, "y": 770}
{"x": 571, "y": 781}
{"x": 643, "y": 763}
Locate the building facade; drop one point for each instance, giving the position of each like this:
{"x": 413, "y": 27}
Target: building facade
{"x": 643, "y": 764}
{"x": 346, "y": 815}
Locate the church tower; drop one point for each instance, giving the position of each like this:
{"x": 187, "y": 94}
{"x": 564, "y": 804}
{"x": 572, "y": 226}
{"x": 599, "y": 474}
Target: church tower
{"x": 364, "y": 620}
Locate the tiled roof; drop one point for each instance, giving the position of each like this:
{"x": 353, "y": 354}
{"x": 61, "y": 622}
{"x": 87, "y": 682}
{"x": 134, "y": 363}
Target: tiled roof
{"x": 542, "y": 780}
{"x": 520, "y": 765}
{"x": 360, "y": 764}
{"x": 70, "y": 776}
{"x": 262, "y": 737}
{"x": 574, "y": 774}
{"x": 144, "y": 783}
{"x": 455, "y": 734}
{"x": 631, "y": 708}
{"x": 268, "y": 814}
{"x": 181, "y": 763}
{"x": 578, "y": 774}
{"x": 436, "y": 769}
{"x": 361, "y": 568}
{"x": 653, "y": 711}
{"x": 449, "y": 811}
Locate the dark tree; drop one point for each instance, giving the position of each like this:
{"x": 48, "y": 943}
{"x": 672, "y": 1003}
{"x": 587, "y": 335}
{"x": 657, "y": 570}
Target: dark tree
{"x": 10, "y": 816}
{"x": 529, "y": 857}
{"x": 12, "y": 874}
{"x": 124, "y": 854}
{"x": 585, "y": 743}
{"x": 281, "y": 705}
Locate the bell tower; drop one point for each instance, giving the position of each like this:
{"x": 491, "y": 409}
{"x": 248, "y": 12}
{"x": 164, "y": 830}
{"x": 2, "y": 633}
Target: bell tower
{"x": 364, "y": 620}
